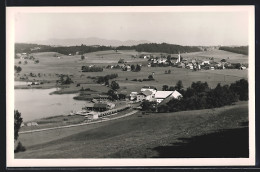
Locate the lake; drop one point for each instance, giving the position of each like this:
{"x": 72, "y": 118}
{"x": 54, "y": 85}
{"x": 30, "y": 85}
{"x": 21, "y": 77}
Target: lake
{"x": 38, "y": 103}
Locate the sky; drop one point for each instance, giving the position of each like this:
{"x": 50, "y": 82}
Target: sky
{"x": 183, "y": 28}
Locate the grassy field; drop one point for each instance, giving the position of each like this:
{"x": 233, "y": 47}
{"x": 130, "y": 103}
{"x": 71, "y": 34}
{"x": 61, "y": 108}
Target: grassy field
{"x": 218, "y": 55}
{"x": 49, "y": 66}
{"x": 220, "y": 132}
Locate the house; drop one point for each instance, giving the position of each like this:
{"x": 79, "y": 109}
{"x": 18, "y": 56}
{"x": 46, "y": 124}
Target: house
{"x": 161, "y": 95}
{"x": 176, "y": 95}
{"x": 133, "y": 95}
{"x": 181, "y": 65}
{"x": 101, "y": 97}
{"x": 148, "y": 95}
{"x": 100, "y": 107}
{"x": 140, "y": 97}
{"x": 92, "y": 115}
{"x": 189, "y": 66}
{"x": 242, "y": 68}
{"x": 164, "y": 97}
{"x": 150, "y": 88}
{"x": 205, "y": 62}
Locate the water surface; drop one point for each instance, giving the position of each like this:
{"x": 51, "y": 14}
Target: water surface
{"x": 38, "y": 103}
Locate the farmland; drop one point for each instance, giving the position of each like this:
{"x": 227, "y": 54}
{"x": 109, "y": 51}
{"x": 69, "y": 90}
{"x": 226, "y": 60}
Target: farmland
{"x": 49, "y": 66}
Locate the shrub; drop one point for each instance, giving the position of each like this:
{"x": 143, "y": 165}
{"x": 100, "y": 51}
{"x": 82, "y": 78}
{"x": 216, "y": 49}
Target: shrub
{"x": 19, "y": 148}
{"x": 17, "y": 123}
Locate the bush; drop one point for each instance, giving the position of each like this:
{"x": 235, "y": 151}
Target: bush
{"x": 17, "y": 69}
{"x": 91, "y": 69}
{"x": 17, "y": 123}
{"x": 19, "y": 148}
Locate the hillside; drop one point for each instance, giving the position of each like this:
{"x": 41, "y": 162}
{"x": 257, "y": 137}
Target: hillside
{"x": 201, "y": 133}
{"x": 239, "y": 50}
{"x": 152, "y": 47}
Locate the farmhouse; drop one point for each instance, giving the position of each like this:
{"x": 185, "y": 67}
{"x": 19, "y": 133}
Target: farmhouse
{"x": 148, "y": 95}
{"x": 140, "y": 97}
{"x": 163, "y": 96}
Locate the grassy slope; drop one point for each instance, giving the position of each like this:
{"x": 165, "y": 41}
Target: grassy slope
{"x": 135, "y": 136}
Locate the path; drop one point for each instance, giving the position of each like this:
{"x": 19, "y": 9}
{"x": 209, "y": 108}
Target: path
{"x": 75, "y": 125}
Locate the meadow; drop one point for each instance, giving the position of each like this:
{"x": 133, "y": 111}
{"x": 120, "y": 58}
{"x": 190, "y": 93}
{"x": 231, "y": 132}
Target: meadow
{"x": 198, "y": 133}
{"x": 49, "y": 66}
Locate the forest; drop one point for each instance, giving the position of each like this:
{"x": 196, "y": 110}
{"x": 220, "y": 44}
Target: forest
{"x": 82, "y": 49}
{"x": 239, "y": 50}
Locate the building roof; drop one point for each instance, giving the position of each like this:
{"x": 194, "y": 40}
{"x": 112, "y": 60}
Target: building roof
{"x": 147, "y": 92}
{"x": 176, "y": 94}
{"x": 101, "y": 96}
{"x": 141, "y": 94}
{"x": 100, "y": 105}
{"x": 89, "y": 105}
{"x": 162, "y": 94}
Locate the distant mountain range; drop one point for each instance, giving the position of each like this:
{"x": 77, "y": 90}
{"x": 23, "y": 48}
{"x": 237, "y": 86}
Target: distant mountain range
{"x": 90, "y": 41}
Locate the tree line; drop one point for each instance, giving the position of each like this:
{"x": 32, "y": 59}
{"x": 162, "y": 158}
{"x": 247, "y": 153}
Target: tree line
{"x": 200, "y": 96}
{"x": 239, "y": 50}
{"x": 149, "y": 47}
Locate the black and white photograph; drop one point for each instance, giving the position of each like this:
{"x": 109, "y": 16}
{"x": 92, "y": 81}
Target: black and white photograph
{"x": 130, "y": 86}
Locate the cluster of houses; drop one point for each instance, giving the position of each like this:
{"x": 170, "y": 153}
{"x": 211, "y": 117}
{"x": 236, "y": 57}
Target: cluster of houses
{"x": 194, "y": 64}
{"x": 150, "y": 93}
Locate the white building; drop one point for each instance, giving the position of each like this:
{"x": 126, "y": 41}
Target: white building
{"x": 133, "y": 95}
{"x": 205, "y": 62}
{"x": 161, "y": 95}
{"x": 166, "y": 96}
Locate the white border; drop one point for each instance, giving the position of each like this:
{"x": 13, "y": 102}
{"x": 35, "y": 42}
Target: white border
{"x": 11, "y": 162}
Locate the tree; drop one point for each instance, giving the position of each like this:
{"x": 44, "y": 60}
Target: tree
{"x": 166, "y": 72}
{"x": 107, "y": 82}
{"x": 179, "y": 85}
{"x": 150, "y": 77}
{"x": 17, "y": 69}
{"x": 148, "y": 106}
{"x": 240, "y": 88}
{"x": 82, "y": 57}
{"x": 112, "y": 94}
{"x": 165, "y": 87}
{"x": 36, "y": 61}
{"x": 114, "y": 85}
{"x": 132, "y": 67}
{"x": 138, "y": 68}
{"x": 17, "y": 123}
{"x": 169, "y": 71}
